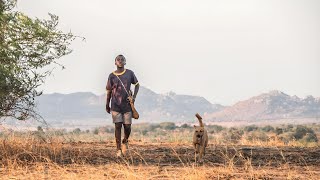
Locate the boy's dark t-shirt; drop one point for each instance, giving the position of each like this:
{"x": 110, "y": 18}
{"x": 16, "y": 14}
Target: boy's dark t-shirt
{"x": 119, "y": 95}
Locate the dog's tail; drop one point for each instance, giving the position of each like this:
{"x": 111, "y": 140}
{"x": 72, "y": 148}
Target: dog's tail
{"x": 200, "y": 120}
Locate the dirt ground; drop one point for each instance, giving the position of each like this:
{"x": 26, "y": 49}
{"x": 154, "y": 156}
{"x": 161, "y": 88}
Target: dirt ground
{"x": 268, "y": 162}
{"x": 178, "y": 154}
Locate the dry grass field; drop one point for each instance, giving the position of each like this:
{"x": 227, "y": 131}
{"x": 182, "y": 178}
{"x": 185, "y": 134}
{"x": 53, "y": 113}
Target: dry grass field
{"x": 92, "y": 156}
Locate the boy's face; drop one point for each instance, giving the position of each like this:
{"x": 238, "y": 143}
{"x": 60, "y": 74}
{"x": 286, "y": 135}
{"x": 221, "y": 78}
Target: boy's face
{"x": 120, "y": 62}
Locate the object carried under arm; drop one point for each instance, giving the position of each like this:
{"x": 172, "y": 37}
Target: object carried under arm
{"x": 135, "y": 113}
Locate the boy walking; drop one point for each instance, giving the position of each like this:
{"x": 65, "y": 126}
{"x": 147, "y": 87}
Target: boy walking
{"x": 118, "y": 87}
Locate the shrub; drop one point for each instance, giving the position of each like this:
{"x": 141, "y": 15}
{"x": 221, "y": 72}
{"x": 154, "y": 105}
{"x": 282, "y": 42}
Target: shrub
{"x": 267, "y": 128}
{"x": 250, "y": 128}
{"x": 215, "y": 128}
{"x": 233, "y": 135}
{"x": 146, "y": 126}
{"x": 310, "y": 137}
{"x": 185, "y": 126}
{"x": 77, "y": 131}
{"x": 286, "y": 137}
{"x": 96, "y": 131}
{"x": 279, "y": 131}
{"x": 39, "y": 128}
{"x": 260, "y": 136}
{"x": 58, "y": 132}
{"x": 153, "y": 127}
{"x": 290, "y": 126}
{"x": 168, "y": 125}
{"x": 144, "y": 132}
{"x": 109, "y": 129}
{"x": 301, "y": 131}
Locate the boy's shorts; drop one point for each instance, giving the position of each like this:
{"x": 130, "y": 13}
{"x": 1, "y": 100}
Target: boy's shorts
{"x": 125, "y": 118}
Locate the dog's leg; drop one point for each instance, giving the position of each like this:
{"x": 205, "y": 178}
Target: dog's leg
{"x": 196, "y": 151}
{"x": 197, "y": 148}
{"x": 195, "y": 157}
{"x": 202, "y": 149}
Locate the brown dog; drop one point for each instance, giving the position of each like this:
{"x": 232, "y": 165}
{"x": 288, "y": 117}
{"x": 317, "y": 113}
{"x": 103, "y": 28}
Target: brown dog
{"x": 200, "y": 139}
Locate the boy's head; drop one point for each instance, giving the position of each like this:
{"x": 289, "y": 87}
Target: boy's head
{"x": 120, "y": 61}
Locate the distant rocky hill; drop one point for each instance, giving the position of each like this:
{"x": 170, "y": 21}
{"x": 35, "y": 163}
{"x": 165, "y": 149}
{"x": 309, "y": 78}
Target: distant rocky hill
{"x": 269, "y": 106}
{"x": 152, "y": 107}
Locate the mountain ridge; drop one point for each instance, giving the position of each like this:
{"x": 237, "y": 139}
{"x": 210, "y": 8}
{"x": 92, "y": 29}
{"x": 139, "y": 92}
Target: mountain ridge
{"x": 155, "y": 107}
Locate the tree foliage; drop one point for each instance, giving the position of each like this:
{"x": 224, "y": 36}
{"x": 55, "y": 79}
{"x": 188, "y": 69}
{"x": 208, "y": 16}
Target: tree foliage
{"x": 27, "y": 47}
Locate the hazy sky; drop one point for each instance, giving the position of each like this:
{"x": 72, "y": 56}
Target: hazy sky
{"x": 225, "y": 51}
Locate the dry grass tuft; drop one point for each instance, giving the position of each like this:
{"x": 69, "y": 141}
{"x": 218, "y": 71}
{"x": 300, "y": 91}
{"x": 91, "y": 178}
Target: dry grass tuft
{"x": 31, "y": 158}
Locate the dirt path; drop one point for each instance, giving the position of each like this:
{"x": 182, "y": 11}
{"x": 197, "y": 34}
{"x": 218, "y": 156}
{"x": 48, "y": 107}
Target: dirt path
{"x": 156, "y": 161}
{"x": 169, "y": 154}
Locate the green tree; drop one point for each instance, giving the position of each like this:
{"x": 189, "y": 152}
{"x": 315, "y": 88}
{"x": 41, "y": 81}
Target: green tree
{"x": 27, "y": 48}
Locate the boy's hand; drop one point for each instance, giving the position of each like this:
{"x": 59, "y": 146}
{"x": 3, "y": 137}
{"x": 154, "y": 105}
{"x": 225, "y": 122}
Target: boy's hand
{"x": 108, "y": 109}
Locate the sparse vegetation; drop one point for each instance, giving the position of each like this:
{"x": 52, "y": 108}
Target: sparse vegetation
{"x": 250, "y": 128}
{"x": 162, "y": 151}
{"x": 267, "y": 128}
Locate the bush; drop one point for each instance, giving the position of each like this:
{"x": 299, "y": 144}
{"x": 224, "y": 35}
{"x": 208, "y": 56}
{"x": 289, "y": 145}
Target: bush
{"x": 153, "y": 127}
{"x": 58, "y": 132}
{"x": 310, "y": 137}
{"x": 233, "y": 135}
{"x": 39, "y": 128}
{"x": 215, "y": 128}
{"x": 168, "y": 125}
{"x": 301, "y": 131}
{"x": 96, "y": 131}
{"x": 146, "y": 126}
{"x": 144, "y": 132}
{"x": 185, "y": 126}
{"x": 77, "y": 131}
{"x": 286, "y": 137}
{"x": 290, "y": 127}
{"x": 267, "y": 128}
{"x": 279, "y": 131}
{"x": 108, "y": 129}
{"x": 260, "y": 136}
{"x": 250, "y": 128}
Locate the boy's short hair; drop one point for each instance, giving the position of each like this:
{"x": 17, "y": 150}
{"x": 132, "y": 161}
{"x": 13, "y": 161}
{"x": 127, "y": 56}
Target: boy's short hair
{"x": 120, "y": 57}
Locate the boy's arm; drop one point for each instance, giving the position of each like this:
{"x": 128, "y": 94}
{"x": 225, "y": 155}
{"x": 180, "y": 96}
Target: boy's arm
{"x": 136, "y": 89}
{"x": 136, "y": 84}
{"x": 108, "y": 109}
{"x": 109, "y": 92}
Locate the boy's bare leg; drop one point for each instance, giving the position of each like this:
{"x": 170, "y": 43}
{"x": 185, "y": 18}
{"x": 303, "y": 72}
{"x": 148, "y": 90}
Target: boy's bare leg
{"x": 118, "y": 127}
{"x": 127, "y": 131}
